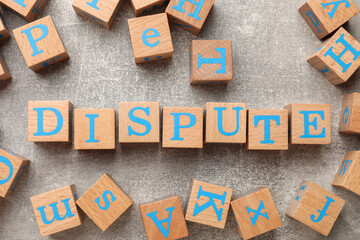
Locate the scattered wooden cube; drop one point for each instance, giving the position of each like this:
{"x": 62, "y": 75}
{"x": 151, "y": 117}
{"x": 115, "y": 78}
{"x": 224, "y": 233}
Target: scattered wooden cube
{"x": 211, "y": 62}
{"x": 94, "y": 129}
{"x": 40, "y": 43}
{"x": 164, "y": 219}
{"x": 267, "y": 129}
{"x": 151, "y": 38}
{"x": 101, "y": 12}
{"x": 56, "y": 211}
{"x": 139, "y": 122}
{"x": 27, "y": 9}
{"x": 12, "y": 166}
{"x": 104, "y": 202}
{"x": 310, "y": 123}
{"x": 315, "y": 207}
{"x": 48, "y": 121}
{"x": 255, "y": 213}
{"x": 141, "y": 7}
{"x": 323, "y": 17}
{"x": 348, "y": 174}
{"x": 208, "y": 204}
{"x": 189, "y": 14}
{"x": 225, "y": 122}
{"x": 4, "y": 31}
{"x": 350, "y": 114}
{"x": 338, "y": 58}
{"x": 182, "y": 127}
{"x": 4, "y": 69}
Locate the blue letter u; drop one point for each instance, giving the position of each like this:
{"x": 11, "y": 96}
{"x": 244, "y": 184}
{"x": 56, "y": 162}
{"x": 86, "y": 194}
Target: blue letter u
{"x": 68, "y": 214}
{"x": 220, "y": 120}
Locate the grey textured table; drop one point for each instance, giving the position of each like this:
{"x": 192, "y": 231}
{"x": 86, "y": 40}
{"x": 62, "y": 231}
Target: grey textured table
{"x": 271, "y": 43}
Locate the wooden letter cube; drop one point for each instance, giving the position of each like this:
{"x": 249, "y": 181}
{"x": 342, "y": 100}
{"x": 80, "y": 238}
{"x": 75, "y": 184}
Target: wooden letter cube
{"x": 4, "y": 70}
{"x": 4, "y": 32}
{"x": 225, "y": 122}
{"x": 40, "y": 43}
{"x": 141, "y": 7}
{"x": 94, "y": 129}
{"x": 27, "y": 9}
{"x": 348, "y": 175}
{"x": 315, "y": 207}
{"x": 208, "y": 204}
{"x": 350, "y": 114}
{"x": 310, "y": 123}
{"x": 150, "y": 38}
{"x": 255, "y": 213}
{"x": 104, "y": 202}
{"x": 182, "y": 127}
{"x": 189, "y": 14}
{"x": 11, "y": 168}
{"x": 338, "y": 58}
{"x": 267, "y": 129}
{"x": 139, "y": 122}
{"x": 56, "y": 211}
{"x": 102, "y": 12}
{"x": 211, "y": 61}
{"x": 48, "y": 121}
{"x": 164, "y": 219}
{"x": 325, "y": 16}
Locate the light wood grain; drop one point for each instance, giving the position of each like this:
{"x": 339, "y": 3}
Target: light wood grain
{"x": 4, "y": 31}
{"x": 141, "y": 7}
{"x": 4, "y": 69}
{"x": 350, "y": 114}
{"x": 29, "y": 12}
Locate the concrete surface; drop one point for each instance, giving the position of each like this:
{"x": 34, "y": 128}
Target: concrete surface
{"x": 271, "y": 43}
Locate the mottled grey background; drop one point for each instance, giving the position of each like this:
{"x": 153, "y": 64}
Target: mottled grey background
{"x": 271, "y": 42}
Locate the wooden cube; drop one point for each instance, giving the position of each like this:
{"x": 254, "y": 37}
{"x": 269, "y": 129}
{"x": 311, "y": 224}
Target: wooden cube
{"x": 56, "y": 211}
{"x": 267, "y": 129}
{"x": 150, "y": 38}
{"x": 315, "y": 207}
{"x": 310, "y": 123}
{"x": 4, "y": 70}
{"x": 211, "y": 62}
{"x": 101, "y": 12}
{"x": 139, "y": 122}
{"x": 182, "y": 127}
{"x": 141, "y": 7}
{"x": 350, "y": 114}
{"x": 4, "y": 31}
{"x": 164, "y": 219}
{"x": 189, "y": 14}
{"x": 348, "y": 174}
{"x": 27, "y": 9}
{"x": 225, "y": 122}
{"x": 208, "y": 204}
{"x": 40, "y": 43}
{"x": 325, "y": 16}
{"x": 12, "y": 166}
{"x": 94, "y": 129}
{"x": 255, "y": 213}
{"x": 104, "y": 202}
{"x": 48, "y": 121}
{"x": 338, "y": 58}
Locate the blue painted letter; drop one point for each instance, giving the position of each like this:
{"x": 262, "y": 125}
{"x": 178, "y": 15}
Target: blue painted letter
{"x": 257, "y": 213}
{"x": 159, "y": 223}
{"x": 307, "y": 124}
{"x": 40, "y": 121}
{"x": 145, "y": 37}
{"x": 7, "y": 162}
{"x": 177, "y": 125}
{"x": 68, "y": 214}
{"x": 344, "y": 166}
{"x": 93, "y": 4}
{"x": 322, "y": 212}
{"x": 336, "y": 5}
{"x": 20, "y": 2}
{"x": 267, "y": 119}
{"x": 196, "y": 12}
{"x": 92, "y": 128}
{"x": 106, "y": 200}
{"x": 139, "y": 121}
{"x": 314, "y": 20}
{"x": 221, "y": 60}
{"x": 220, "y": 120}
{"x": 33, "y": 41}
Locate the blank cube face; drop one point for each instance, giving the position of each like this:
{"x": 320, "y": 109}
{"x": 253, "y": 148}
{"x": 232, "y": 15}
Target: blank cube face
{"x": 350, "y": 114}
{"x": 141, "y": 7}
{"x": 189, "y": 14}
{"x": 40, "y": 43}
{"x": 267, "y": 129}
{"x": 225, "y": 122}
{"x": 338, "y": 58}
{"x": 56, "y": 211}
{"x": 139, "y": 122}
{"x": 315, "y": 207}
{"x": 4, "y": 32}
{"x": 94, "y": 129}
{"x": 182, "y": 127}
{"x": 349, "y": 171}
{"x": 255, "y": 213}
{"x": 4, "y": 70}
{"x": 104, "y": 202}
{"x": 164, "y": 219}
{"x": 102, "y": 12}
{"x": 211, "y": 62}
{"x": 27, "y": 9}
{"x": 11, "y": 168}
{"x": 48, "y": 121}
{"x": 310, "y": 123}
{"x": 324, "y": 16}
{"x": 208, "y": 204}
{"x": 150, "y": 38}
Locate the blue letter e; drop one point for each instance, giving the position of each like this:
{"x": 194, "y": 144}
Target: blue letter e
{"x": 40, "y": 122}
{"x": 307, "y": 124}
{"x": 177, "y": 125}
{"x": 33, "y": 41}
{"x": 145, "y": 37}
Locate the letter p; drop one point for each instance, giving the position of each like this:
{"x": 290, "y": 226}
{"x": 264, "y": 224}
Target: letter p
{"x": 177, "y": 125}
{"x": 44, "y": 32}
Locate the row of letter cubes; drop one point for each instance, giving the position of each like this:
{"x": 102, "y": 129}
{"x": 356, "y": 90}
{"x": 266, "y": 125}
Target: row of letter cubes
{"x": 182, "y": 127}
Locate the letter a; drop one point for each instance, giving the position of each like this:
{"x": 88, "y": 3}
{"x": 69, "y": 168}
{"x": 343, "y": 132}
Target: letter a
{"x": 159, "y": 223}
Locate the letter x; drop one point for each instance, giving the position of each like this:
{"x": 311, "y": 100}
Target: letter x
{"x": 257, "y": 213}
